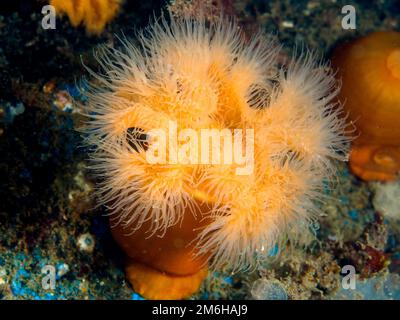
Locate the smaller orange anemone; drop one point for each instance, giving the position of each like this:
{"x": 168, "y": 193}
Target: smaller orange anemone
{"x": 94, "y": 14}
{"x": 370, "y": 70}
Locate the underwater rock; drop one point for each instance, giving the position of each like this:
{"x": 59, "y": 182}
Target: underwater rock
{"x": 367, "y": 253}
{"x": 263, "y": 289}
{"x": 86, "y": 242}
{"x": 9, "y": 111}
{"x": 386, "y": 199}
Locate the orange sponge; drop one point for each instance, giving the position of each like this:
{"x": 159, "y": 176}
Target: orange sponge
{"x": 94, "y": 14}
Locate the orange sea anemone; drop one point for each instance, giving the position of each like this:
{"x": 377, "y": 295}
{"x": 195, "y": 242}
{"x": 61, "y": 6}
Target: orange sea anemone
{"x": 93, "y": 14}
{"x": 171, "y": 219}
{"x": 370, "y": 70}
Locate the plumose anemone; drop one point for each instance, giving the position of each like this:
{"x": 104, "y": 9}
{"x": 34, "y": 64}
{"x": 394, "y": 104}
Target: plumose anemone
{"x": 172, "y": 219}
